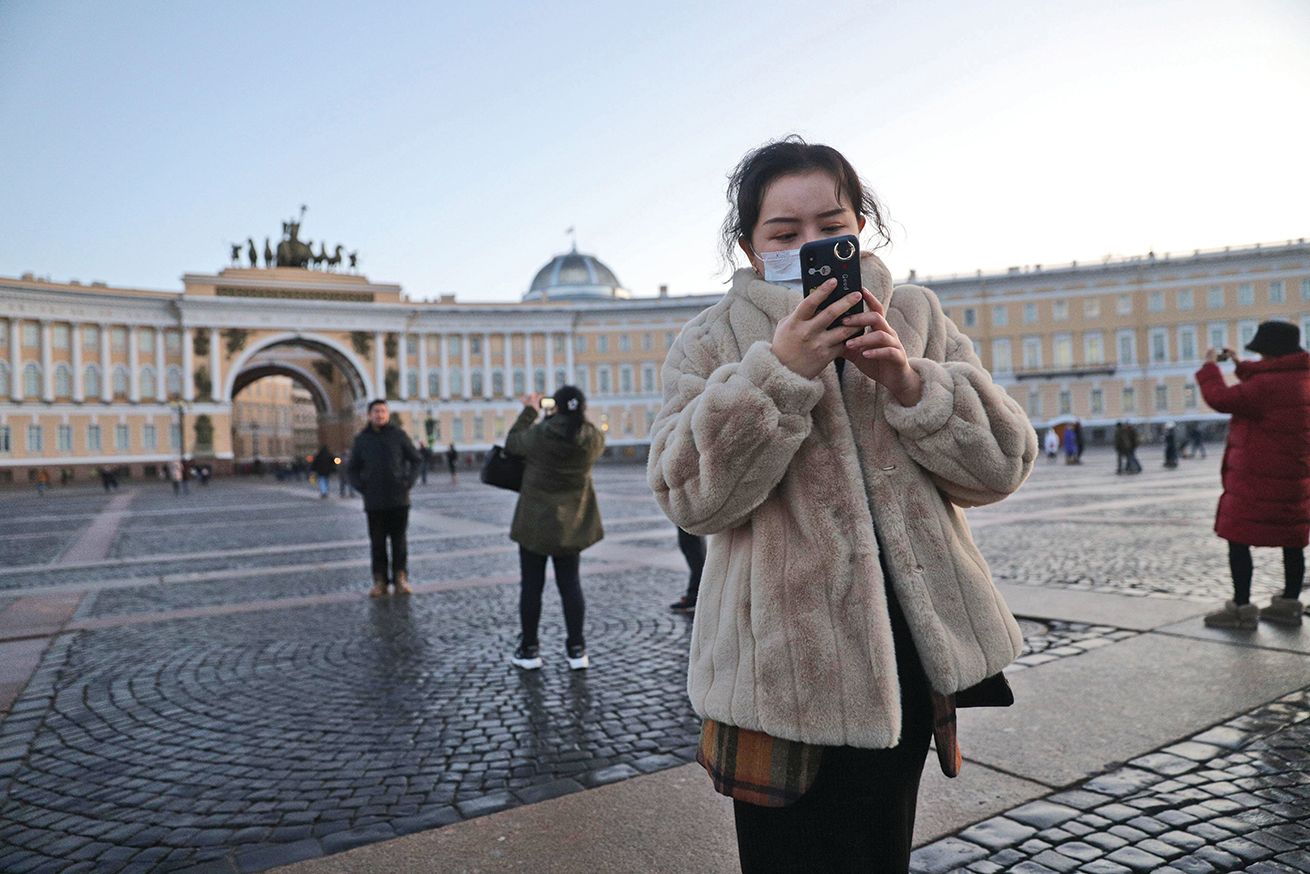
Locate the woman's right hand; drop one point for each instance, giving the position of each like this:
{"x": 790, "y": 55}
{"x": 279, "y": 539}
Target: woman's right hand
{"x": 531, "y": 400}
{"x": 803, "y": 342}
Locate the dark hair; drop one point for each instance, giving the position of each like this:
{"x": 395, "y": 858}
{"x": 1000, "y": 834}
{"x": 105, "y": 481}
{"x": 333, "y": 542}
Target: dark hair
{"x": 791, "y": 154}
{"x": 373, "y": 403}
{"x": 575, "y": 416}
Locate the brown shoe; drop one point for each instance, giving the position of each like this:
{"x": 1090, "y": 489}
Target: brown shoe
{"x": 402, "y": 583}
{"x": 379, "y": 587}
{"x": 1282, "y": 611}
{"x": 1245, "y": 617}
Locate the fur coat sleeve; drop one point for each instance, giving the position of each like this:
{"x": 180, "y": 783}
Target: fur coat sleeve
{"x": 728, "y": 429}
{"x": 972, "y": 438}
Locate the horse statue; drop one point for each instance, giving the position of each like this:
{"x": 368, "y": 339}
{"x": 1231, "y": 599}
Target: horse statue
{"x": 322, "y": 255}
{"x": 268, "y": 254}
{"x": 236, "y": 253}
{"x": 335, "y": 261}
{"x": 254, "y": 255}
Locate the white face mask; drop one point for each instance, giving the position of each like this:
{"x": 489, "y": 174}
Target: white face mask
{"x": 782, "y": 268}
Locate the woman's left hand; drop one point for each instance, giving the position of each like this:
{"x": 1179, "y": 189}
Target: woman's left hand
{"x": 878, "y": 352}
{"x": 531, "y": 400}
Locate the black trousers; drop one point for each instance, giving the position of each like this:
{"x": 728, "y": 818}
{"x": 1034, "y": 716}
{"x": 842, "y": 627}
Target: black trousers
{"x": 693, "y": 550}
{"x": 384, "y": 525}
{"x": 859, "y": 814}
{"x": 532, "y": 570}
{"x": 1239, "y": 562}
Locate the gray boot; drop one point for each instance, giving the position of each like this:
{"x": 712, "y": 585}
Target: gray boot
{"x": 1282, "y": 611}
{"x": 1245, "y": 617}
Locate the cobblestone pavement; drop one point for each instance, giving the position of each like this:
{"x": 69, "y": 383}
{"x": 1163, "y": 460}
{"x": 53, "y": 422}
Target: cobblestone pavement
{"x": 223, "y": 694}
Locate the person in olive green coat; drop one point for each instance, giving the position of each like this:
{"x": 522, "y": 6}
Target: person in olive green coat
{"x": 556, "y": 516}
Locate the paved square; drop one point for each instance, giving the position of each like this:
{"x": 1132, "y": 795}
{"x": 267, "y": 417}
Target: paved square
{"x": 201, "y": 681}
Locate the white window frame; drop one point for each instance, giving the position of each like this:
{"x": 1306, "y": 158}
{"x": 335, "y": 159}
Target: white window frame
{"x": 1157, "y": 345}
{"x": 1062, "y": 350}
{"x": 1002, "y": 355}
{"x": 1120, "y": 336}
{"x": 1031, "y": 351}
{"x": 1186, "y": 332}
{"x": 1094, "y": 347}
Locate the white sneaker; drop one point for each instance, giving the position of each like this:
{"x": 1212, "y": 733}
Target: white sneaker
{"x": 578, "y": 658}
{"x": 526, "y": 657}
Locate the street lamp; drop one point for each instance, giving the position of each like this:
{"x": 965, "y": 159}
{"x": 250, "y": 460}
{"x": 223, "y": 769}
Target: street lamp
{"x": 181, "y": 434}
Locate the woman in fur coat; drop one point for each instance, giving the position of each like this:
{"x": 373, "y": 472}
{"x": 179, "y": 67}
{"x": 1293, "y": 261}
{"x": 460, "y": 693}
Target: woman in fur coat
{"x": 842, "y": 587}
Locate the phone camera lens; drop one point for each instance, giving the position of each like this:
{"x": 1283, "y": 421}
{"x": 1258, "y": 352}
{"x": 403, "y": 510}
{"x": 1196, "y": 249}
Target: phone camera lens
{"x": 844, "y": 250}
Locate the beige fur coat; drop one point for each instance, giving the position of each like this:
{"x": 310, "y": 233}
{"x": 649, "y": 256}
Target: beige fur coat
{"x": 791, "y": 476}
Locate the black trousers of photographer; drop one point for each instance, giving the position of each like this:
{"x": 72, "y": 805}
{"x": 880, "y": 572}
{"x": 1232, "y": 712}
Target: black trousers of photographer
{"x": 532, "y": 568}
{"x": 383, "y": 525}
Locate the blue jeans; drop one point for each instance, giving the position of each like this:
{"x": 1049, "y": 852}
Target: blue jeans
{"x": 324, "y": 483}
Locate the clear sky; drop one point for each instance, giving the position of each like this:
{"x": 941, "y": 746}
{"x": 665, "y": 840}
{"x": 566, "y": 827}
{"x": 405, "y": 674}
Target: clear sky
{"x": 453, "y": 144}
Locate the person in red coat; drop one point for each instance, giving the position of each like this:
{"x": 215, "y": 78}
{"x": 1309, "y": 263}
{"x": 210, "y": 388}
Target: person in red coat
{"x": 1266, "y": 469}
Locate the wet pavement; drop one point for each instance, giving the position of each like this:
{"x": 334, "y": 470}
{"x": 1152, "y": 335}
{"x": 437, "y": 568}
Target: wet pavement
{"x": 216, "y": 690}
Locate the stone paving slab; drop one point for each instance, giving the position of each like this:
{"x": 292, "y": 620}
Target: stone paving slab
{"x": 1267, "y": 636}
{"x": 1075, "y": 717}
{"x": 1121, "y": 610}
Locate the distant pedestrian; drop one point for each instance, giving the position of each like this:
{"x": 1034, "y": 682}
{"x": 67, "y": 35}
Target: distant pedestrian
{"x": 1120, "y": 448}
{"x": 42, "y": 481}
{"x": 177, "y": 476}
{"x": 425, "y": 452}
{"x": 105, "y": 476}
{"x": 203, "y": 473}
{"x": 1193, "y": 443}
{"x": 1131, "y": 464}
{"x": 1266, "y": 468}
{"x": 452, "y": 461}
{"x": 345, "y": 485}
{"x": 384, "y": 465}
{"x": 556, "y": 517}
{"x": 1070, "y": 445}
{"x": 1078, "y": 435}
{"x": 1170, "y": 446}
{"x": 323, "y": 466}
{"x": 693, "y": 550}
{"x": 1051, "y": 444}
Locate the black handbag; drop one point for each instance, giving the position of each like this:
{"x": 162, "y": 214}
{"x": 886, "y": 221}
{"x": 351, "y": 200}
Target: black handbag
{"x": 994, "y": 691}
{"x": 502, "y": 470}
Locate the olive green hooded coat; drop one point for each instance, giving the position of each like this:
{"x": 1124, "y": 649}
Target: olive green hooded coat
{"x": 557, "y": 512}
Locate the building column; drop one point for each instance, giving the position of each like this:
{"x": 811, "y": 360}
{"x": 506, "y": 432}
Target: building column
{"x": 188, "y": 367}
{"x": 402, "y": 366}
{"x": 47, "y": 364}
{"x": 106, "y": 366}
{"x": 527, "y": 364}
{"x": 486, "y": 366}
{"x": 161, "y": 368}
{"x": 444, "y": 393}
{"x": 468, "y": 383}
{"x": 380, "y": 363}
{"x": 509, "y": 366}
{"x": 569, "y": 375}
{"x": 550, "y": 363}
{"x": 215, "y": 362}
{"x": 15, "y": 360}
{"x": 75, "y": 338}
{"x": 422, "y": 366}
{"x": 133, "y": 353}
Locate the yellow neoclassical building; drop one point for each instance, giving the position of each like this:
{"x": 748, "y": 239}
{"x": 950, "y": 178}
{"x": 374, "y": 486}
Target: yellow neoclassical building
{"x": 96, "y": 376}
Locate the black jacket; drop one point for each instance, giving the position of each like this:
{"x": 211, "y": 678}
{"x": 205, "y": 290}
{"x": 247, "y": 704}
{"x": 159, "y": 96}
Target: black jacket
{"x": 384, "y": 465}
{"x": 324, "y": 463}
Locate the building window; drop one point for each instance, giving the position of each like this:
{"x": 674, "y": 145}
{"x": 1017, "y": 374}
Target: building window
{"x": 1214, "y": 297}
{"x": 1245, "y": 294}
{"x": 1060, "y": 310}
{"x": 31, "y": 338}
{"x": 625, "y": 379}
{"x": 32, "y": 380}
{"x": 174, "y": 382}
{"x": 498, "y": 383}
{"x": 93, "y": 438}
{"x": 647, "y": 342}
{"x": 1155, "y": 303}
{"x": 1127, "y": 347}
{"x": 411, "y": 344}
{"x": 91, "y": 381}
{"x": 1094, "y": 347}
{"x": 175, "y": 436}
{"x": 173, "y": 342}
{"x": 1305, "y": 289}
{"x": 475, "y": 345}
{"x": 457, "y": 382}
{"x": 6, "y": 441}
{"x": 35, "y": 439}
{"x": 475, "y": 383}
{"x": 149, "y": 437}
{"x": 63, "y": 381}
{"x": 122, "y": 437}
{"x": 1030, "y": 314}
{"x": 1159, "y": 346}
{"x": 1276, "y": 292}
{"x": 1032, "y": 353}
{"x": 120, "y": 382}
{"x": 561, "y": 377}
{"x": 91, "y": 335}
{"x": 147, "y": 341}
{"x": 1066, "y": 402}
{"x": 580, "y": 343}
{"x": 1092, "y": 308}
{"x": 1161, "y": 397}
{"x": 1218, "y": 334}
{"x": 457, "y": 429}
{"x": 1062, "y": 350}
{"x": 669, "y": 337}
{"x": 1098, "y": 402}
{"x": 1189, "y": 396}
{"x": 453, "y": 342}
{"x": 1245, "y": 332}
{"x": 581, "y": 379}
{"x": 970, "y": 317}
{"x": 434, "y": 383}
{"x": 1000, "y": 316}
{"x": 520, "y": 382}
{"x": 625, "y": 343}
{"x": 603, "y": 377}
{"x": 1124, "y": 305}
{"x": 60, "y": 336}
{"x": 559, "y": 344}
{"x": 1187, "y": 343}
{"x": 1034, "y": 403}
{"x": 5, "y": 389}
{"x": 648, "y": 378}
{"x": 1185, "y": 299}
{"x": 148, "y": 382}
{"x": 1130, "y": 399}
{"x": 64, "y": 438}
{"x": 479, "y": 429}
{"x": 1002, "y": 356}
{"x": 602, "y": 343}
{"x": 539, "y": 380}
{"x": 411, "y": 384}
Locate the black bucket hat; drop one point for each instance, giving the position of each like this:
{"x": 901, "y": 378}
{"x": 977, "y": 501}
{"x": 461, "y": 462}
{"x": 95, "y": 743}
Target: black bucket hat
{"x": 1275, "y": 338}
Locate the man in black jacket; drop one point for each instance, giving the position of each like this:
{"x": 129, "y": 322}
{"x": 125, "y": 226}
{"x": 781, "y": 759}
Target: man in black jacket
{"x": 384, "y": 465}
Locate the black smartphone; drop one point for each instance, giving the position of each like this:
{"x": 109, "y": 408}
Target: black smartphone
{"x": 834, "y": 258}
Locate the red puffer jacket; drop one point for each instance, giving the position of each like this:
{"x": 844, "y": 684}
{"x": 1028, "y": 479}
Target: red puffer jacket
{"x": 1266, "y": 472}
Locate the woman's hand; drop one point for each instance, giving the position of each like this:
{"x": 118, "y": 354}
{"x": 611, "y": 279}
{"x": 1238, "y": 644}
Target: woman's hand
{"x": 878, "y": 353}
{"x": 803, "y": 342}
{"x": 531, "y": 400}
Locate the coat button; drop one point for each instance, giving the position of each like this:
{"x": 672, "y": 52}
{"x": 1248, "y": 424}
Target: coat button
{"x": 890, "y": 467}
